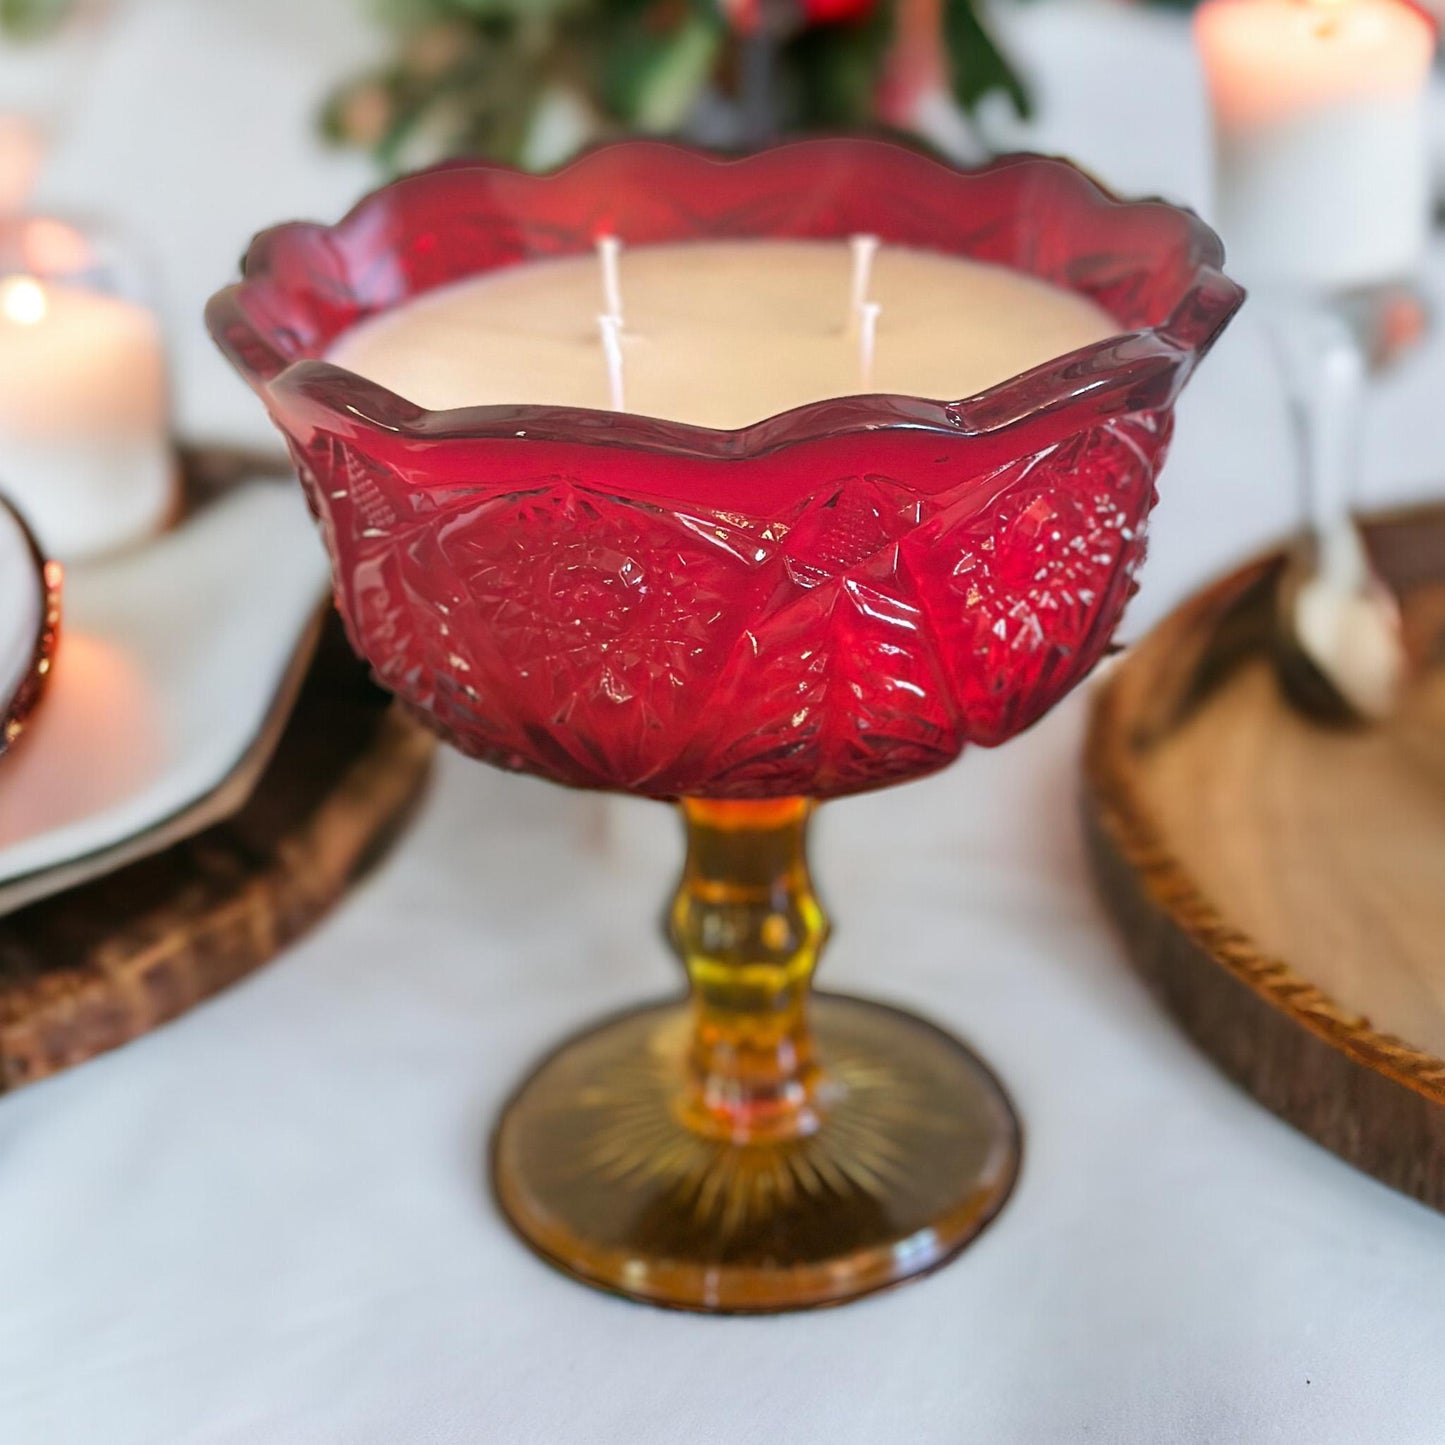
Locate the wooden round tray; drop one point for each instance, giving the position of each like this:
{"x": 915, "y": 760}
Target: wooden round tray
{"x": 1282, "y": 884}
{"x": 91, "y": 968}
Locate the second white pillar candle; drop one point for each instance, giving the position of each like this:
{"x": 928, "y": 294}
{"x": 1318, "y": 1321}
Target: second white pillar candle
{"x": 1321, "y": 161}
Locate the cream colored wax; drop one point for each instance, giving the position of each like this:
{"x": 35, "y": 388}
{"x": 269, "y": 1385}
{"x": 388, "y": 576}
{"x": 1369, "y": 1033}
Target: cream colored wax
{"x": 721, "y": 334}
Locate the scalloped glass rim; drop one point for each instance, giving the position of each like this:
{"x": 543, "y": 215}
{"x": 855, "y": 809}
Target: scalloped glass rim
{"x": 1113, "y": 374}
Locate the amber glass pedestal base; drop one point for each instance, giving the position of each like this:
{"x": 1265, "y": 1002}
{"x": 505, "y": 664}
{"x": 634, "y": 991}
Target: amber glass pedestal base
{"x": 754, "y": 1147}
{"x": 915, "y": 1150}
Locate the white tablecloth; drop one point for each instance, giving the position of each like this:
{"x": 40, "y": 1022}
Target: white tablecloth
{"x": 267, "y": 1224}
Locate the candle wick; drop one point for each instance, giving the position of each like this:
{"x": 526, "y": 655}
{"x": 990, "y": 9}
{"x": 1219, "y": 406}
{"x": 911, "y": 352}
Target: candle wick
{"x": 867, "y": 340}
{"x": 611, "y": 329}
{"x": 609, "y": 251}
{"x": 865, "y": 249}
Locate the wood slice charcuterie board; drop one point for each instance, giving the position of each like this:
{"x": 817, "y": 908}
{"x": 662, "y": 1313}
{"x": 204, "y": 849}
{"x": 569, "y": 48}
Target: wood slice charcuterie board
{"x": 205, "y": 897}
{"x": 1280, "y": 883}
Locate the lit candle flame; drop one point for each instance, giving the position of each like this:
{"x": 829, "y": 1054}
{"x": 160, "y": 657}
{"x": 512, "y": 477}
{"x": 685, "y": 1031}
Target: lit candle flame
{"x": 22, "y": 300}
{"x": 1325, "y": 15}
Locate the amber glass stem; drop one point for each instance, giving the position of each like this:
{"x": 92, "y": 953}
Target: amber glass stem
{"x": 749, "y": 928}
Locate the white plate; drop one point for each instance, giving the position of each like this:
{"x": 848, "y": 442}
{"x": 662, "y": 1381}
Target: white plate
{"x": 176, "y": 666}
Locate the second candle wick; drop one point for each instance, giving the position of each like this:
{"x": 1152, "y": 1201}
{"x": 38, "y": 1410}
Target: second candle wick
{"x": 865, "y": 251}
{"x": 868, "y": 340}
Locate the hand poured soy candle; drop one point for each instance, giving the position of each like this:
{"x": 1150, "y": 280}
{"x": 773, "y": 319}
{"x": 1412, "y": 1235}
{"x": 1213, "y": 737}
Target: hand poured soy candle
{"x": 721, "y": 333}
{"x": 834, "y": 601}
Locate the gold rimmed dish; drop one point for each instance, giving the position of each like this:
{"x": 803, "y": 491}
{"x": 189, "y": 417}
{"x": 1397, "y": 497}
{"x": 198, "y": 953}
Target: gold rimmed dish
{"x": 30, "y": 588}
{"x": 177, "y": 672}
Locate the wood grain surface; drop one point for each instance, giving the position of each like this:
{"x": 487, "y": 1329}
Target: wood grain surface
{"x": 1282, "y": 884}
{"x": 89, "y": 969}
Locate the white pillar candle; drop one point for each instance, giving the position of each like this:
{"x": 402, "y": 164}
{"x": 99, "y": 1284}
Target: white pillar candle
{"x": 723, "y": 333}
{"x": 84, "y": 449}
{"x": 1321, "y": 157}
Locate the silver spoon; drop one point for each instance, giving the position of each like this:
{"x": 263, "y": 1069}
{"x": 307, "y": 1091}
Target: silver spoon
{"x": 1337, "y": 640}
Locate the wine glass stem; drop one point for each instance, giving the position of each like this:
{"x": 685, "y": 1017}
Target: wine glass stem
{"x": 1325, "y": 375}
{"x": 749, "y": 928}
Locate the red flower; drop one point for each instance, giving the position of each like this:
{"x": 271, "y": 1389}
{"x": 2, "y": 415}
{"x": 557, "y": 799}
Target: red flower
{"x": 835, "y": 12}
{"x": 744, "y": 16}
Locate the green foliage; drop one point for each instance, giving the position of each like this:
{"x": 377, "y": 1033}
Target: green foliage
{"x": 651, "y": 74}
{"x": 979, "y": 66}
{"x": 478, "y": 76}
{"x": 32, "y": 19}
{"x": 838, "y": 69}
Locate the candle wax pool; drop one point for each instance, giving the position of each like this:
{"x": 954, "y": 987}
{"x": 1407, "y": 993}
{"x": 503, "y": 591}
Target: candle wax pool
{"x": 721, "y": 334}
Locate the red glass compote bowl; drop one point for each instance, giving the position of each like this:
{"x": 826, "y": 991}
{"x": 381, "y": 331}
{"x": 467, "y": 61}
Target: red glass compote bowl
{"x": 833, "y": 599}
